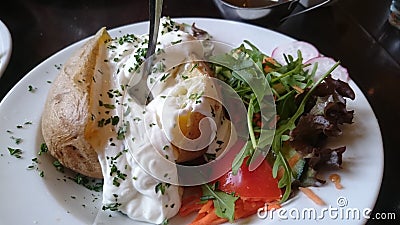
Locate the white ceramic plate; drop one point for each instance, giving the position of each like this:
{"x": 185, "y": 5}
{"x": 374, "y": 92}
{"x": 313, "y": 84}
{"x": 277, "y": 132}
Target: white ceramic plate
{"x": 5, "y": 47}
{"x": 28, "y": 198}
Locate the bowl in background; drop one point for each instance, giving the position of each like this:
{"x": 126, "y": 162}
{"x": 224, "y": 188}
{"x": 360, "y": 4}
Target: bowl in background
{"x": 5, "y": 47}
{"x": 255, "y": 9}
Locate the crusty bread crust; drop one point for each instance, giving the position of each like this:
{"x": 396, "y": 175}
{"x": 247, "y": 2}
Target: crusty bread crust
{"x": 66, "y": 110}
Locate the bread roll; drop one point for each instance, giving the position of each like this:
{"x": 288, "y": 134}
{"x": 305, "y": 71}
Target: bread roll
{"x": 66, "y": 110}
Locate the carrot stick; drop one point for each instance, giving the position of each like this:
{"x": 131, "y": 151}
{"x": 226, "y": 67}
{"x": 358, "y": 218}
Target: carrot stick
{"x": 243, "y": 209}
{"x": 190, "y": 205}
{"x": 208, "y": 207}
{"x": 268, "y": 69}
{"x": 207, "y": 216}
{"x": 191, "y": 202}
{"x": 273, "y": 205}
{"x": 309, "y": 193}
{"x": 292, "y": 161}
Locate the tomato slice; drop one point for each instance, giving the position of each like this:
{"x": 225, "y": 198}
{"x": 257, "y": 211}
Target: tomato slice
{"x": 253, "y": 185}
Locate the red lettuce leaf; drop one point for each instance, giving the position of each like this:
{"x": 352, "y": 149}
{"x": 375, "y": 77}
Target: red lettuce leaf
{"x": 325, "y": 112}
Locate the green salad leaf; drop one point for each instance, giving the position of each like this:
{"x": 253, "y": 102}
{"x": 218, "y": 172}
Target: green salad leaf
{"x": 224, "y": 203}
{"x": 243, "y": 70}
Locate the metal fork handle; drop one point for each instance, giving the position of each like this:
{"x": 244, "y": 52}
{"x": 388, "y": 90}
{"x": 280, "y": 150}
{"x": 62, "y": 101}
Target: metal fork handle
{"x": 306, "y": 10}
{"x": 155, "y": 8}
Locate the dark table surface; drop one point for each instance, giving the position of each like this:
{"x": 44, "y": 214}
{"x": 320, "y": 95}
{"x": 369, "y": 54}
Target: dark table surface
{"x": 354, "y": 31}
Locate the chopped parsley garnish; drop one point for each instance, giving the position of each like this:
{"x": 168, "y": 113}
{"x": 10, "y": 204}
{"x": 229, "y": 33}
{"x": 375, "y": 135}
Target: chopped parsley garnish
{"x": 113, "y": 120}
{"x": 58, "y": 67}
{"x": 128, "y": 38}
{"x": 107, "y": 106}
{"x": 161, "y": 187}
{"x": 43, "y": 149}
{"x": 210, "y": 156}
{"x": 22, "y": 126}
{"x": 17, "y": 140}
{"x": 89, "y": 183}
{"x": 165, "y": 222}
{"x": 31, "y": 167}
{"x": 31, "y": 88}
{"x": 116, "y": 182}
{"x": 164, "y": 76}
{"x": 111, "y": 207}
{"x": 58, "y": 166}
{"x": 193, "y": 67}
{"x": 122, "y": 131}
{"x": 159, "y": 67}
{"x": 176, "y": 42}
{"x": 196, "y": 97}
{"x": 16, "y": 152}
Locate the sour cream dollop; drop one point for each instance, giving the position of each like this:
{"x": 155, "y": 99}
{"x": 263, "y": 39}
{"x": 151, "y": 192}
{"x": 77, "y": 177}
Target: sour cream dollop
{"x": 140, "y": 179}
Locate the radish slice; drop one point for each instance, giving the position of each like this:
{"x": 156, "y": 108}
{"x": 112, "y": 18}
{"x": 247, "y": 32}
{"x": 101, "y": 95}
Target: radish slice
{"x": 325, "y": 64}
{"x": 308, "y": 51}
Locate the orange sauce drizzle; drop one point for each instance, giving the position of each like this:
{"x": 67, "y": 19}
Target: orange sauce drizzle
{"x": 335, "y": 178}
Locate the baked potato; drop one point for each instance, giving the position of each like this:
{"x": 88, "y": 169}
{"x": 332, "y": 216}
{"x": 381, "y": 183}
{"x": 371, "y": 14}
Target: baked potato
{"x": 189, "y": 122}
{"x": 66, "y": 111}
{"x": 69, "y": 130}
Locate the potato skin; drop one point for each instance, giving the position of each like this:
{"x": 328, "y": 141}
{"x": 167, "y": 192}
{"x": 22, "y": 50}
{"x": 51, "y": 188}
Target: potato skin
{"x": 66, "y": 110}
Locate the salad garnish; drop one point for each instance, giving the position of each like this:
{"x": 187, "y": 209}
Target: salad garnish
{"x": 309, "y": 109}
